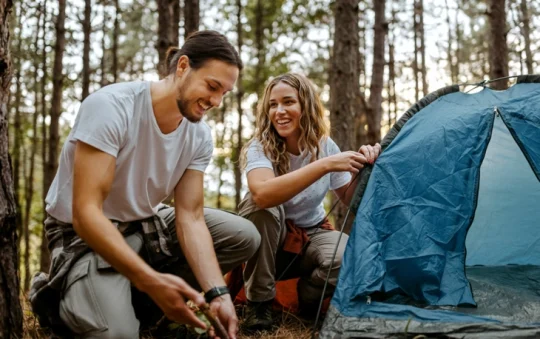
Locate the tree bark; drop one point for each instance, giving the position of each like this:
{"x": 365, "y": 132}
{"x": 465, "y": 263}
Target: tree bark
{"x": 344, "y": 89}
{"x": 260, "y": 50}
{"x": 526, "y": 31}
{"x": 458, "y": 41}
{"x": 17, "y": 128}
{"x": 56, "y": 101}
{"x": 392, "y": 102}
{"x": 29, "y": 180}
{"x": 11, "y": 317}
{"x": 422, "y": 46}
{"x": 377, "y": 73}
{"x": 175, "y": 24}
{"x": 416, "y": 50}
{"x": 362, "y": 20}
{"x": 191, "y": 17}
{"x": 221, "y": 158}
{"x": 116, "y": 32}
{"x": 498, "y": 49}
{"x": 449, "y": 50}
{"x": 346, "y": 101}
{"x": 87, "y": 31}
{"x": 165, "y": 18}
{"x": 103, "y": 64}
{"x": 239, "y": 97}
{"x": 44, "y": 253}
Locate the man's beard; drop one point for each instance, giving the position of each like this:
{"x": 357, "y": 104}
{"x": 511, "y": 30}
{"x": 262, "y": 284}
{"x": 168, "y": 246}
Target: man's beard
{"x": 183, "y": 105}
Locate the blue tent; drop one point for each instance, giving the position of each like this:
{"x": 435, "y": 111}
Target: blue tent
{"x": 446, "y": 239}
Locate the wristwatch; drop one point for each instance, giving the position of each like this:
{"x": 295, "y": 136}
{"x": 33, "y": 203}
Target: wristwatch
{"x": 215, "y": 292}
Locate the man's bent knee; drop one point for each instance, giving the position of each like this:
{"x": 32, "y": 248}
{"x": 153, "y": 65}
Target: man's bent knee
{"x": 246, "y": 239}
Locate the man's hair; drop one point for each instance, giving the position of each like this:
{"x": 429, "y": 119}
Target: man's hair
{"x": 200, "y": 47}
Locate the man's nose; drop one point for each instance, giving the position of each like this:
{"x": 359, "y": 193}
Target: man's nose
{"x": 215, "y": 100}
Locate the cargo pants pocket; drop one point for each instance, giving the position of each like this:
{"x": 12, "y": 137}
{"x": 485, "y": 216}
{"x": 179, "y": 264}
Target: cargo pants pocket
{"x": 79, "y": 308}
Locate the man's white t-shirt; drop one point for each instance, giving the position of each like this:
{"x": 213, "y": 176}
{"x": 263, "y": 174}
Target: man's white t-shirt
{"x": 119, "y": 120}
{"x": 306, "y": 208}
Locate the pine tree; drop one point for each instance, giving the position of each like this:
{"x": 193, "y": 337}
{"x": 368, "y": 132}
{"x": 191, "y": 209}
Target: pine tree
{"x": 11, "y": 317}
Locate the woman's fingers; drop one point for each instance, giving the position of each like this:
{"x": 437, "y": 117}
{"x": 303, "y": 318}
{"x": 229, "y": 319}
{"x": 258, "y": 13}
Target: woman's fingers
{"x": 359, "y": 159}
{"x": 370, "y": 152}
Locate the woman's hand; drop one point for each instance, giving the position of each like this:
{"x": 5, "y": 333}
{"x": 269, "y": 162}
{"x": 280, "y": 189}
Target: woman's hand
{"x": 371, "y": 153}
{"x": 346, "y": 162}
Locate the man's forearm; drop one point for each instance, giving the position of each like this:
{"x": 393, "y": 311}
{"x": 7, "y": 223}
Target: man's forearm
{"x": 100, "y": 234}
{"x": 198, "y": 248}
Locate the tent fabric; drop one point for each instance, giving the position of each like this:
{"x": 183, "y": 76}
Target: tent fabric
{"x": 434, "y": 196}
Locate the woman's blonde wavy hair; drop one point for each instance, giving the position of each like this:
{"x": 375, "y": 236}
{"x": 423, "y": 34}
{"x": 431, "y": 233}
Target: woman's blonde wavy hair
{"x": 313, "y": 128}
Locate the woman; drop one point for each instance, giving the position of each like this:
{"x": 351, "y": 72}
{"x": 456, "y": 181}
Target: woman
{"x": 291, "y": 164}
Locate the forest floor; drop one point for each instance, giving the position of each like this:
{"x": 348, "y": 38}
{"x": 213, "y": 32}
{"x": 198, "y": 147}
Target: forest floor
{"x": 288, "y": 326}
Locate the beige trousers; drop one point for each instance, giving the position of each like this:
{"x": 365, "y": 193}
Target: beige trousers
{"x": 97, "y": 303}
{"x": 270, "y": 263}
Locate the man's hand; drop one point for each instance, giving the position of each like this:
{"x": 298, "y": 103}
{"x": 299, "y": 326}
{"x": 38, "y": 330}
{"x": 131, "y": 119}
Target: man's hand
{"x": 170, "y": 292}
{"x": 223, "y": 307}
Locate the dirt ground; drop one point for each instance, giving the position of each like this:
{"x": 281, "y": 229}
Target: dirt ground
{"x": 287, "y": 326}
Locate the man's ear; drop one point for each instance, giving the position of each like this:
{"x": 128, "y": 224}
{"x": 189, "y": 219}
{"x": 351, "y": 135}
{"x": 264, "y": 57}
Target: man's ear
{"x": 182, "y": 66}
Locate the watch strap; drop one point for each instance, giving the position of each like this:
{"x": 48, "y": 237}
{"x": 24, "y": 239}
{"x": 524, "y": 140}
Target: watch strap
{"x": 215, "y": 292}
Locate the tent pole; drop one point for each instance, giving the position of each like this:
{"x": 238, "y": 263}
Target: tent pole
{"x": 328, "y": 274}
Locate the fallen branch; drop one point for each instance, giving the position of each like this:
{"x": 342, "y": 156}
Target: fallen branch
{"x": 218, "y": 328}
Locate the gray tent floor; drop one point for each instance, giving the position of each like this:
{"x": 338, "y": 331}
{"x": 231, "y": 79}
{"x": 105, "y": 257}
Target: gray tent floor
{"x": 509, "y": 294}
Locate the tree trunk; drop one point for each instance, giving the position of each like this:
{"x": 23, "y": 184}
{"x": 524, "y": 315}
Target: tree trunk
{"x": 377, "y": 73}
{"x": 423, "y": 69}
{"x": 116, "y": 32}
{"x": 164, "y": 42}
{"x": 260, "y": 50}
{"x": 221, "y": 158}
{"x": 56, "y": 101}
{"x": 449, "y": 49}
{"x": 239, "y": 97}
{"x": 344, "y": 89}
{"x": 191, "y": 17}
{"x": 26, "y": 228}
{"x": 346, "y": 101}
{"x": 526, "y": 31}
{"x": 87, "y": 30}
{"x": 416, "y": 50}
{"x": 175, "y": 25}
{"x": 17, "y": 128}
{"x": 458, "y": 41}
{"x": 29, "y": 180}
{"x": 362, "y": 43}
{"x": 103, "y": 63}
{"x": 392, "y": 102}
{"x": 220, "y": 185}
{"x": 11, "y": 317}
{"x": 45, "y": 260}
{"x": 498, "y": 49}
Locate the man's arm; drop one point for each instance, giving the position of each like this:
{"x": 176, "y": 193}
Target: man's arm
{"x": 93, "y": 176}
{"x": 197, "y": 244}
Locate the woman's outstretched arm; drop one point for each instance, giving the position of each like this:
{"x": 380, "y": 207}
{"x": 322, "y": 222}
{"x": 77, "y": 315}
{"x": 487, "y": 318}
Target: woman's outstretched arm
{"x": 268, "y": 190}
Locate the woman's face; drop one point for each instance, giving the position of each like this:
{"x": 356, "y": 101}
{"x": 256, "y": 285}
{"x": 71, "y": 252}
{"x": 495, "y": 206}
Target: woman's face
{"x": 285, "y": 111}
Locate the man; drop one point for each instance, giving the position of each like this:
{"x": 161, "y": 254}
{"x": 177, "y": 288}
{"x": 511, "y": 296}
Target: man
{"x": 132, "y": 145}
